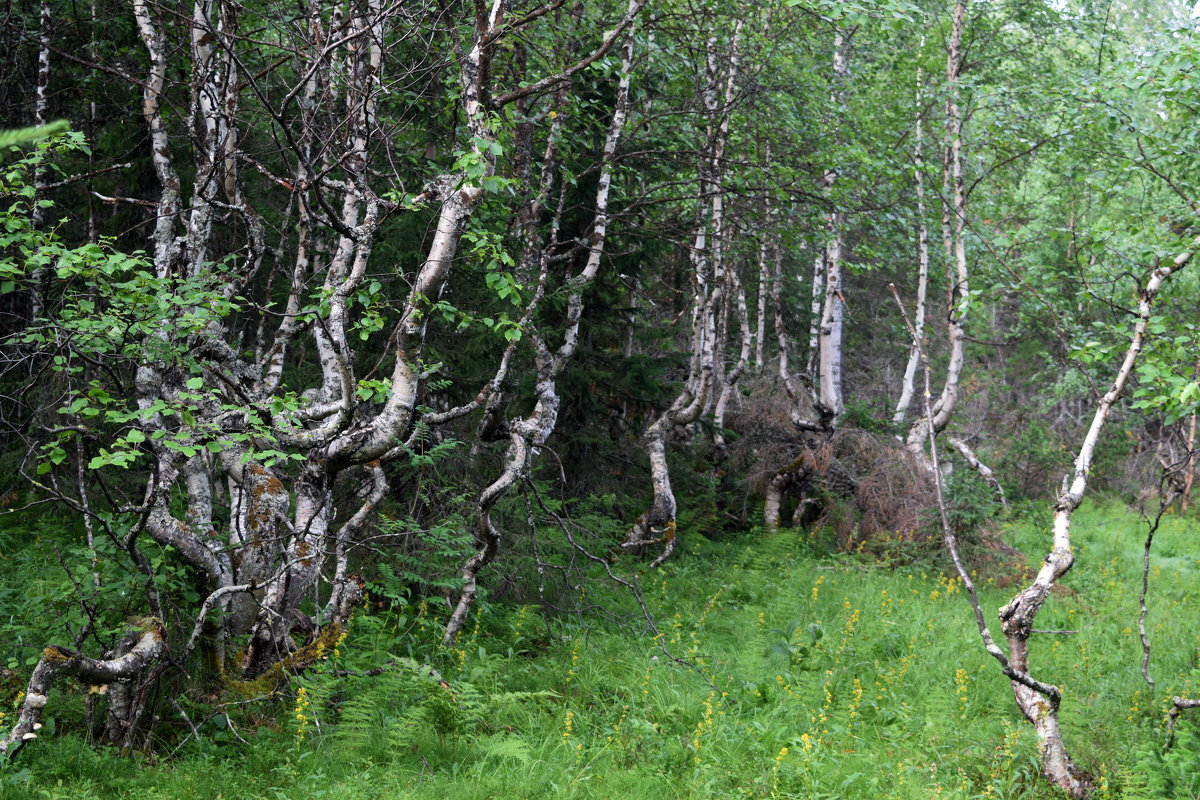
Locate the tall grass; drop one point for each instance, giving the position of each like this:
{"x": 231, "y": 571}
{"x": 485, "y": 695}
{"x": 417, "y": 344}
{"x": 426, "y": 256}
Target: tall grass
{"x": 777, "y": 671}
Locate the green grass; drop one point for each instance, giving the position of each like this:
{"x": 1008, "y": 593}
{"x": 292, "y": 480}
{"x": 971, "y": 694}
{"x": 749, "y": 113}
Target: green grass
{"x": 807, "y": 676}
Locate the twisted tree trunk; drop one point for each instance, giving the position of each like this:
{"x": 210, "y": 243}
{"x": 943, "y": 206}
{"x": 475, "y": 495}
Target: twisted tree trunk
{"x": 657, "y": 525}
{"x": 529, "y": 434}
{"x": 1040, "y": 704}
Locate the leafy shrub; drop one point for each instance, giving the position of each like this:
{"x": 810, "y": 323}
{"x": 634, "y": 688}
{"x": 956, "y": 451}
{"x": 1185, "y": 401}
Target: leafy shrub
{"x": 1031, "y": 462}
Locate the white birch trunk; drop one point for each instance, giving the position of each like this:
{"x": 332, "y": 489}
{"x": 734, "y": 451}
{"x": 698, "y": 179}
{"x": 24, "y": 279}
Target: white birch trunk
{"x": 815, "y": 305}
{"x": 657, "y": 525}
{"x": 56, "y": 661}
{"x": 954, "y": 216}
{"x": 41, "y": 105}
{"x": 827, "y": 353}
{"x": 529, "y": 434}
{"x": 764, "y": 275}
{"x": 153, "y": 38}
{"x": 908, "y": 382}
{"x": 1017, "y": 616}
{"x": 739, "y": 368}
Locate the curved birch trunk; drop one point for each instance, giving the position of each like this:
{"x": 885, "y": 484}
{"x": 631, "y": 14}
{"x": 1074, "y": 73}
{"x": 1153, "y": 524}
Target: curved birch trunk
{"x": 657, "y": 524}
{"x": 57, "y": 661}
{"x": 1017, "y": 616}
{"x": 259, "y": 558}
{"x": 530, "y": 433}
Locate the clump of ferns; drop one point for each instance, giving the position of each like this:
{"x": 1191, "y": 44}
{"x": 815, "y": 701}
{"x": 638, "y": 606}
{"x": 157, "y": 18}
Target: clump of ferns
{"x": 410, "y": 704}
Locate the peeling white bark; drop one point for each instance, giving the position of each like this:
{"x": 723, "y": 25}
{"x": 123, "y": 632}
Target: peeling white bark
{"x": 657, "y": 525}
{"x": 910, "y": 368}
{"x": 1044, "y": 698}
{"x": 57, "y": 661}
{"x": 764, "y": 275}
{"x": 529, "y": 434}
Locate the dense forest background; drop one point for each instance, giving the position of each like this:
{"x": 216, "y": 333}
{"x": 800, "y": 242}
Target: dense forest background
{"x": 321, "y": 315}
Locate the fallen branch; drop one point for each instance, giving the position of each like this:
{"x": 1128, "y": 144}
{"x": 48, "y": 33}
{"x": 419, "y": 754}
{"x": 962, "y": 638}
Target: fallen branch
{"x": 59, "y": 660}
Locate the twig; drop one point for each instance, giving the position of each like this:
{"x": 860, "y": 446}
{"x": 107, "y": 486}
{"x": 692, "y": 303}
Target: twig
{"x": 195, "y": 732}
{"x": 86, "y": 175}
{"x": 1151, "y": 529}
{"x": 1050, "y": 692}
{"x": 133, "y": 200}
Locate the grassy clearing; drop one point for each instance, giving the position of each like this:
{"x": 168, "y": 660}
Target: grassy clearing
{"x": 808, "y": 676}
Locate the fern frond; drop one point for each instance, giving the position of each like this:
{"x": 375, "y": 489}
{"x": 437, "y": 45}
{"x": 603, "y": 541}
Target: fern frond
{"x": 33, "y": 134}
{"x": 505, "y": 746}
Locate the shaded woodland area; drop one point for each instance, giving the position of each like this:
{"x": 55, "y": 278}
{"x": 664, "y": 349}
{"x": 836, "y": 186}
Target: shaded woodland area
{"x": 481, "y": 304}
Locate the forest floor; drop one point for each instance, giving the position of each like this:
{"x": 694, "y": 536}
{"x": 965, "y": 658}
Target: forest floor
{"x": 807, "y": 675}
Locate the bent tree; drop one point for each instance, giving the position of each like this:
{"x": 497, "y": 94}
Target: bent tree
{"x": 709, "y": 284}
{"x": 1158, "y": 156}
{"x": 1040, "y": 702}
{"x": 229, "y": 364}
{"x": 358, "y": 240}
{"x": 528, "y": 434}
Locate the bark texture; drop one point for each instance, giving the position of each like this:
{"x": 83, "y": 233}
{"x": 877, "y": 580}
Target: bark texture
{"x": 56, "y": 661}
{"x": 1040, "y": 706}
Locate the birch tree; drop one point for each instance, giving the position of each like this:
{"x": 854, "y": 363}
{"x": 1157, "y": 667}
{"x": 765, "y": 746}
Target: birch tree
{"x": 954, "y": 222}
{"x": 816, "y": 400}
{"x": 222, "y": 413}
{"x": 1038, "y": 701}
{"x": 657, "y": 525}
{"x": 528, "y": 434}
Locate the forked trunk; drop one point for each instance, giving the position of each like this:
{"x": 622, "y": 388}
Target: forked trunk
{"x": 1017, "y": 617}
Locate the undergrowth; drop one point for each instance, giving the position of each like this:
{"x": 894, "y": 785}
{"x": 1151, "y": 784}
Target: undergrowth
{"x": 777, "y": 671}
